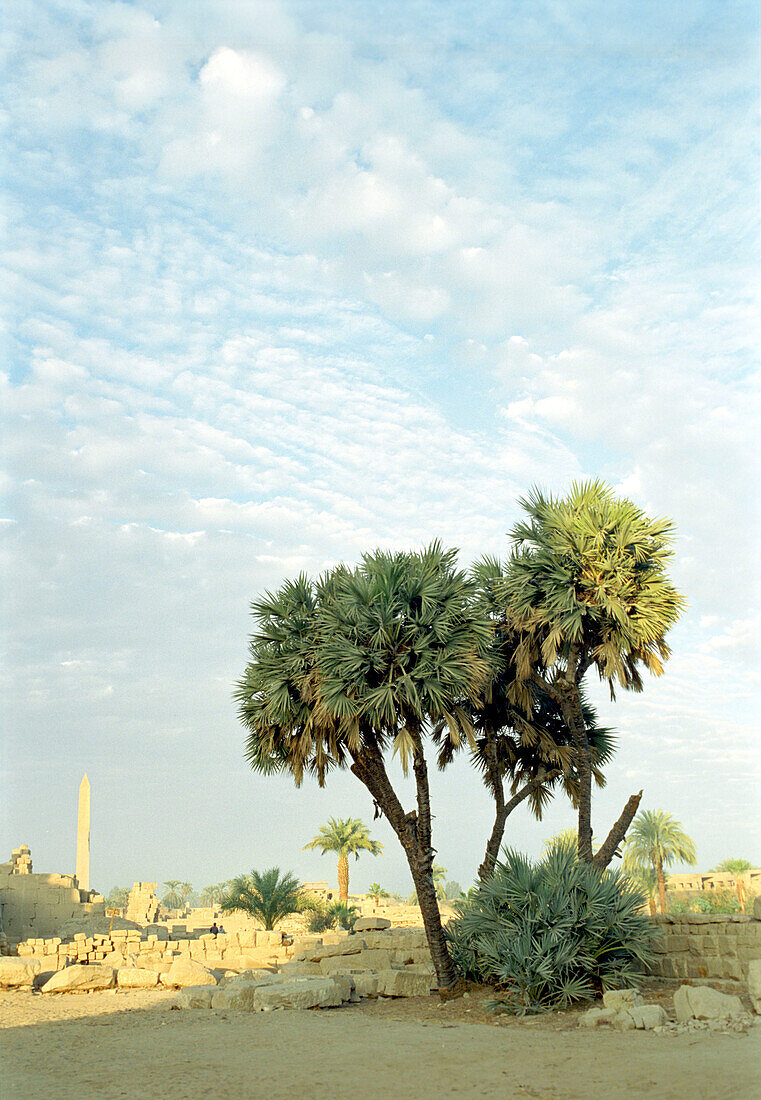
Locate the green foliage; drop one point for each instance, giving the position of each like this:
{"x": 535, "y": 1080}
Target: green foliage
{"x": 376, "y": 891}
{"x": 346, "y": 837}
{"x": 551, "y": 933}
{"x": 657, "y": 838}
{"x": 733, "y": 866}
{"x": 266, "y": 897}
{"x": 706, "y": 901}
{"x": 172, "y": 899}
{"x": 336, "y": 914}
{"x": 451, "y": 890}
{"x": 118, "y": 897}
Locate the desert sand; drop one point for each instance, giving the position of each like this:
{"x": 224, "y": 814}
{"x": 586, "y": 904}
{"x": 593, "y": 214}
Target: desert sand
{"x": 133, "y": 1044}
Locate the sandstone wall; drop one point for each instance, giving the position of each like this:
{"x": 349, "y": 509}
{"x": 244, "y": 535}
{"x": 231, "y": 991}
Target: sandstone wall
{"x": 38, "y": 905}
{"x": 707, "y": 945}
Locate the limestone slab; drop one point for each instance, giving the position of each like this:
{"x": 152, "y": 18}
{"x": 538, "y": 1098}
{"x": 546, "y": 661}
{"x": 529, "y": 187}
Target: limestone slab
{"x": 18, "y": 973}
{"x": 700, "y": 1002}
{"x": 185, "y": 972}
{"x": 136, "y": 977}
{"x": 79, "y": 977}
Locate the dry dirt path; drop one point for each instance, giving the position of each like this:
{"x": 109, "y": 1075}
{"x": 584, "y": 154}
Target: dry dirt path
{"x": 103, "y": 1046}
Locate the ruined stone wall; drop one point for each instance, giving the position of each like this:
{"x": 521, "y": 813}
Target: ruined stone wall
{"x": 707, "y": 945}
{"x": 38, "y": 905}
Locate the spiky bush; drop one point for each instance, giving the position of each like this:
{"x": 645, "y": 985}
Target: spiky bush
{"x": 551, "y": 933}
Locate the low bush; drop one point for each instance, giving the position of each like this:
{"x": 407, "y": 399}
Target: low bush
{"x": 551, "y": 933}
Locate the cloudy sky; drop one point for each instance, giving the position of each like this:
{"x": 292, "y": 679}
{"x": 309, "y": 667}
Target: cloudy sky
{"x": 286, "y": 281}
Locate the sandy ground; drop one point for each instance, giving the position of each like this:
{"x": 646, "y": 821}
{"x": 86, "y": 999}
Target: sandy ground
{"x": 132, "y": 1044}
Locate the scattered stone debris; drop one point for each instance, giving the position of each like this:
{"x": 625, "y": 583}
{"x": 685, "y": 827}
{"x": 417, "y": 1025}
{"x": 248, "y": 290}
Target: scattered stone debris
{"x": 697, "y": 1008}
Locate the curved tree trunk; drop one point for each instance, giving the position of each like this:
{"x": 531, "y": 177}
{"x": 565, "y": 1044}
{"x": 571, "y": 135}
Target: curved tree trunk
{"x": 661, "y": 883}
{"x": 369, "y": 768}
{"x": 343, "y": 878}
{"x": 486, "y": 870}
{"x": 651, "y": 903}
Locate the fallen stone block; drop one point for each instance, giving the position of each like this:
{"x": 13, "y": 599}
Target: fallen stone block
{"x": 403, "y": 983}
{"x": 598, "y": 1017}
{"x": 199, "y": 996}
{"x": 80, "y": 977}
{"x": 261, "y": 977}
{"x": 365, "y": 983}
{"x": 300, "y": 993}
{"x": 186, "y": 972}
{"x": 648, "y": 1017}
{"x": 754, "y": 984}
{"x": 700, "y": 1002}
{"x": 621, "y": 998}
{"x": 333, "y": 950}
{"x": 18, "y": 973}
{"x": 371, "y": 924}
{"x": 293, "y": 968}
{"x": 136, "y": 977}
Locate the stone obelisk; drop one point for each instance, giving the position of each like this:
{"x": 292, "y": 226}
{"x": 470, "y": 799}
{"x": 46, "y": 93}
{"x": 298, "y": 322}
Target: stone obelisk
{"x": 83, "y": 836}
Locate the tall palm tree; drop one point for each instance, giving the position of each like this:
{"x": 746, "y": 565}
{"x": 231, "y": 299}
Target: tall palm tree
{"x": 184, "y": 889}
{"x": 172, "y": 898}
{"x": 267, "y": 897}
{"x": 586, "y": 586}
{"x": 346, "y": 838}
{"x": 656, "y": 841}
{"x": 214, "y": 894}
{"x": 361, "y": 664}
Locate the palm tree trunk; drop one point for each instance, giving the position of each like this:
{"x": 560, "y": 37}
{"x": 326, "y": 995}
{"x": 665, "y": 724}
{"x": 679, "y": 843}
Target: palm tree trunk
{"x": 570, "y": 704}
{"x": 369, "y": 768}
{"x": 661, "y": 883}
{"x": 343, "y": 878}
{"x": 651, "y": 903}
{"x": 486, "y": 870}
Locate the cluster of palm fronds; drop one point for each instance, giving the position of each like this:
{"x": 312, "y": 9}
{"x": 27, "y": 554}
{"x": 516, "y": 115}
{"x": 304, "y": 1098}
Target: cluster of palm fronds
{"x": 551, "y": 933}
{"x": 324, "y": 916}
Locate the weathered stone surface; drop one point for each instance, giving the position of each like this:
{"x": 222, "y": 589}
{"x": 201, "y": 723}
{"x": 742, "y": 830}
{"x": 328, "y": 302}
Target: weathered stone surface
{"x": 374, "y": 959}
{"x": 621, "y": 998}
{"x": 263, "y": 977}
{"x": 239, "y": 995}
{"x": 371, "y": 924}
{"x": 703, "y": 1003}
{"x": 136, "y": 977}
{"x": 293, "y": 968}
{"x": 186, "y": 972}
{"x": 623, "y": 1020}
{"x": 80, "y": 977}
{"x": 647, "y": 1017}
{"x": 757, "y": 907}
{"x": 403, "y": 983}
{"x": 597, "y": 1017}
{"x": 331, "y": 950}
{"x": 300, "y": 993}
{"x": 365, "y": 983}
{"x": 17, "y": 973}
{"x": 754, "y": 984}
{"x": 199, "y": 996}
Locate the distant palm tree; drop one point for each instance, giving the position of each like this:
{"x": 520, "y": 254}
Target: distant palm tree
{"x": 376, "y": 892}
{"x": 438, "y": 874}
{"x": 347, "y": 838}
{"x": 266, "y": 897}
{"x": 184, "y": 889}
{"x": 172, "y": 898}
{"x": 214, "y": 894}
{"x": 566, "y": 838}
{"x": 657, "y": 840}
{"x": 647, "y": 879}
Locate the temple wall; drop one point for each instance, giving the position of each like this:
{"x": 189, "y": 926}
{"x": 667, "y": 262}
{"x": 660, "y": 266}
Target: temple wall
{"x": 38, "y": 905}
{"x": 707, "y": 946}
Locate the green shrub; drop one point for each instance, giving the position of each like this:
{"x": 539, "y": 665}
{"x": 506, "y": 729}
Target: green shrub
{"x": 551, "y": 933}
{"x": 336, "y": 915}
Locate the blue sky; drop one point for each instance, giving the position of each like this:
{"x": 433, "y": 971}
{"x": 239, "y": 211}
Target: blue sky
{"x": 288, "y": 281}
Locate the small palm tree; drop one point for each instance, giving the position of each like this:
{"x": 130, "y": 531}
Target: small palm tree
{"x": 214, "y": 894}
{"x": 566, "y": 838}
{"x": 266, "y": 897}
{"x": 184, "y": 889}
{"x": 347, "y": 838}
{"x": 655, "y": 841}
{"x": 376, "y": 892}
{"x": 172, "y": 898}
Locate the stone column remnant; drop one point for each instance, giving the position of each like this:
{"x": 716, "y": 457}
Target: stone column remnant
{"x": 83, "y": 836}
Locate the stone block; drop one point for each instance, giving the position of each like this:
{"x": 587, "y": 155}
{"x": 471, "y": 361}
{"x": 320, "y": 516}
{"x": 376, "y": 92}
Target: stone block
{"x": 80, "y": 977}
{"x": 617, "y": 999}
{"x": 373, "y": 959}
{"x": 403, "y": 983}
{"x": 292, "y": 967}
{"x": 371, "y": 924}
{"x": 703, "y": 1003}
{"x": 647, "y": 1017}
{"x": 598, "y": 1017}
{"x": 136, "y": 977}
{"x": 300, "y": 993}
{"x": 195, "y": 997}
{"x": 18, "y": 973}
{"x": 334, "y": 950}
{"x": 754, "y": 984}
{"x": 186, "y": 972}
